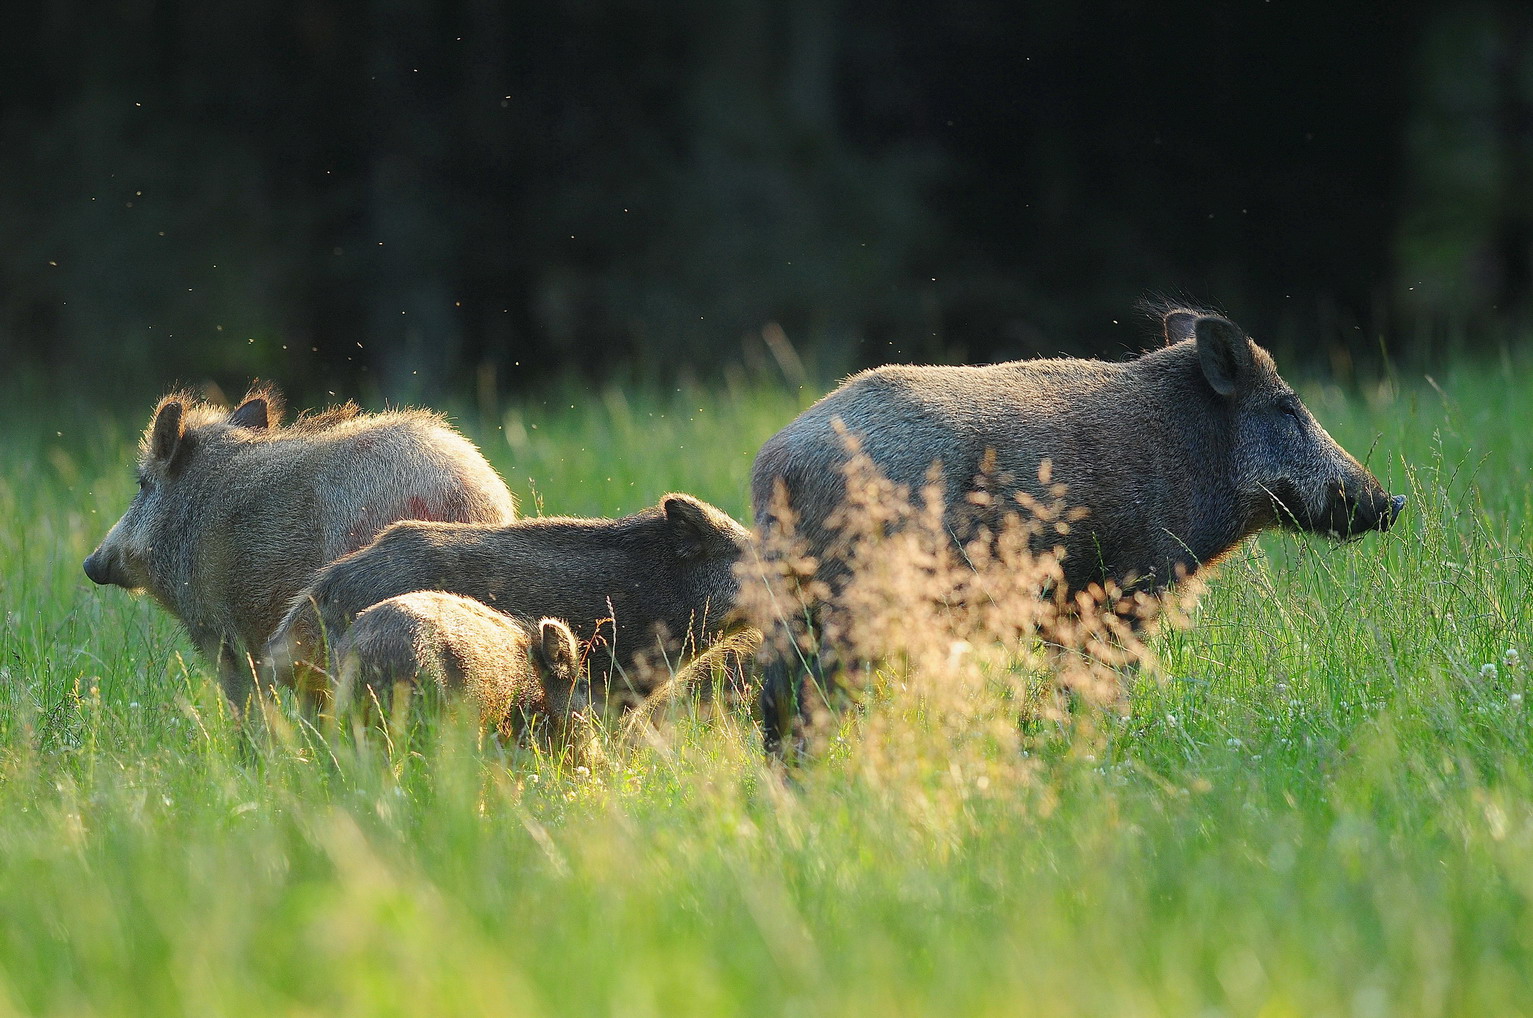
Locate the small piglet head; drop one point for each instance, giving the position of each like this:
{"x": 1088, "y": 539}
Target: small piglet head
{"x": 556, "y": 655}
{"x": 705, "y": 545}
{"x": 1286, "y": 469}
{"x": 154, "y": 540}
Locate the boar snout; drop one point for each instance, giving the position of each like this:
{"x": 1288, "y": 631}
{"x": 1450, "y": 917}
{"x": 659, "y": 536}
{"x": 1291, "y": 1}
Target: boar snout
{"x": 1387, "y": 509}
{"x": 98, "y": 566}
{"x": 1345, "y": 511}
{"x": 1352, "y": 514}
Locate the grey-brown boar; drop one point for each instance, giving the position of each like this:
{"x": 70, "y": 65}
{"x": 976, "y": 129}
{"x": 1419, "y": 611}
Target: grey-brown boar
{"x": 1176, "y": 457}
{"x": 521, "y": 678}
{"x": 234, "y": 512}
{"x": 660, "y": 582}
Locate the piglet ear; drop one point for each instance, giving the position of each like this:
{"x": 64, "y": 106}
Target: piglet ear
{"x": 261, "y": 408}
{"x": 561, "y": 654}
{"x": 1224, "y": 352}
{"x": 689, "y": 525}
{"x": 253, "y": 413}
{"x": 1179, "y": 325}
{"x": 165, "y": 434}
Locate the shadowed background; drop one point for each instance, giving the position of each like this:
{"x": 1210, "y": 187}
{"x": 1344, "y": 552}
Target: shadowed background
{"x": 406, "y": 198}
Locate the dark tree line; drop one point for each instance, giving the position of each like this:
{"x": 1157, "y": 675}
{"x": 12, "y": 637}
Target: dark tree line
{"x": 311, "y": 189}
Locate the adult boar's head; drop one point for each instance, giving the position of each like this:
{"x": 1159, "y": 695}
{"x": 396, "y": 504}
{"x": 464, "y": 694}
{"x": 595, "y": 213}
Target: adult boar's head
{"x": 152, "y": 545}
{"x": 1285, "y": 468}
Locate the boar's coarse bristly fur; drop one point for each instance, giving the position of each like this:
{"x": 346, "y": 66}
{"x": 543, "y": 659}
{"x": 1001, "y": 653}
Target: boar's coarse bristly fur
{"x": 520, "y": 676}
{"x": 659, "y": 582}
{"x": 1175, "y": 457}
{"x": 235, "y": 512}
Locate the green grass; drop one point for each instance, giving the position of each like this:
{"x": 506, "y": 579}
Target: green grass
{"x": 1321, "y": 804}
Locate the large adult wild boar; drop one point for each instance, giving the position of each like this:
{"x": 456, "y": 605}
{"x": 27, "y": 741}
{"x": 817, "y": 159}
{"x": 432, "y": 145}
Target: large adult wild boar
{"x": 1176, "y": 457}
{"x": 234, "y": 511}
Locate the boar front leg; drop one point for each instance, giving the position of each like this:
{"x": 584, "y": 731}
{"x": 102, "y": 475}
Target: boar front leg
{"x": 236, "y": 674}
{"x": 799, "y": 670}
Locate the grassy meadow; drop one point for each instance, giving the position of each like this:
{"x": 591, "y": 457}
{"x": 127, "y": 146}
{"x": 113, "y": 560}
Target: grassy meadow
{"x": 1319, "y": 802}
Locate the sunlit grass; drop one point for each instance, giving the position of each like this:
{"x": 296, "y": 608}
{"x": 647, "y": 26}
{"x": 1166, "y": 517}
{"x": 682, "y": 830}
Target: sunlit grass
{"x": 1319, "y": 803}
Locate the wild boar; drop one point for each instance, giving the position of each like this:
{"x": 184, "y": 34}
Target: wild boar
{"x": 235, "y": 512}
{"x": 659, "y": 582}
{"x": 1176, "y": 457}
{"x": 521, "y": 677}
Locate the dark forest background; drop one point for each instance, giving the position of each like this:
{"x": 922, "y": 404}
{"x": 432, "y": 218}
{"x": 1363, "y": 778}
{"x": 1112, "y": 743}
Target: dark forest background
{"x": 414, "y": 196}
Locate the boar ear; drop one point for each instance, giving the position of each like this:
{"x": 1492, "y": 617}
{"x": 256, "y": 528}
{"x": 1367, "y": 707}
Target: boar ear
{"x": 689, "y": 525}
{"x": 165, "y": 437}
{"x": 1179, "y": 325}
{"x": 558, "y": 648}
{"x": 259, "y": 410}
{"x": 1224, "y": 352}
